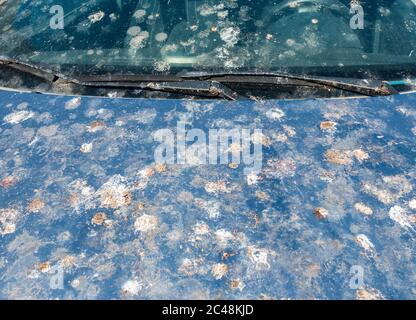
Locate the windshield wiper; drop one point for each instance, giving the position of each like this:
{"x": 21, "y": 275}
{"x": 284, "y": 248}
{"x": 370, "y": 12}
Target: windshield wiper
{"x": 204, "y": 84}
{"x": 164, "y": 83}
{"x": 202, "y": 88}
{"x": 35, "y": 70}
{"x": 359, "y": 86}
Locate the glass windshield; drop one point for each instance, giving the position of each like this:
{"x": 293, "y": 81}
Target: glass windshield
{"x": 327, "y": 37}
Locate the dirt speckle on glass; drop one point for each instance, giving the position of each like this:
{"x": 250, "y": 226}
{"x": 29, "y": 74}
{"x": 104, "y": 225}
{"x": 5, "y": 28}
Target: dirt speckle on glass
{"x": 36, "y": 205}
{"x": 321, "y": 213}
{"x": 99, "y": 218}
{"x": 219, "y": 270}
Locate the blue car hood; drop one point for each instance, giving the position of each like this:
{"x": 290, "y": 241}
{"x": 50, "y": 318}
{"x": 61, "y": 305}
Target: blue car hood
{"x": 86, "y": 213}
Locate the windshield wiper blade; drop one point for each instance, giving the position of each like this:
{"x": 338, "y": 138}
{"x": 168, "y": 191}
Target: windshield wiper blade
{"x": 171, "y": 84}
{"x": 359, "y": 86}
{"x": 205, "y": 83}
{"x": 205, "y": 88}
{"x": 35, "y": 70}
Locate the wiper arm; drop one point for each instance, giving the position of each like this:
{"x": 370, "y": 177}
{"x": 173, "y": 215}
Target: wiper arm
{"x": 205, "y": 88}
{"x": 170, "y": 84}
{"x": 35, "y": 70}
{"x": 359, "y": 86}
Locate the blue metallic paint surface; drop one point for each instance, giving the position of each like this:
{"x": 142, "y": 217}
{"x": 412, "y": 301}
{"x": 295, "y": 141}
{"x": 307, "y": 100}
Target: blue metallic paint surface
{"x": 266, "y": 241}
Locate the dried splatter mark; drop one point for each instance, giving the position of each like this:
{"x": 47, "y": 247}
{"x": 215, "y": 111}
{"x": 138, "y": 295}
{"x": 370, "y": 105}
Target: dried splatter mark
{"x": 219, "y": 270}
{"x": 68, "y": 261}
{"x": 412, "y": 204}
{"x": 217, "y": 187}
{"x": 108, "y": 223}
{"x": 192, "y": 267}
{"x": 211, "y": 207}
{"x": 134, "y": 31}
{"x": 227, "y": 255}
{"x": 160, "y": 168}
{"x": 326, "y": 175}
{"x": 280, "y": 168}
{"x": 280, "y": 137}
{"x": 263, "y": 196}
{"x": 382, "y": 195}
{"x": 261, "y": 138}
{"x": 18, "y": 117}
{"x": 345, "y": 157}
{"x": 259, "y": 257}
{"x": 114, "y": 193}
{"x": 95, "y": 17}
{"x": 252, "y": 179}
{"x": 223, "y": 237}
{"x": 293, "y": 4}
{"x": 86, "y": 148}
{"x": 328, "y": 125}
{"x": 233, "y": 165}
{"x": 360, "y": 155}
{"x": 230, "y": 35}
{"x": 161, "y": 66}
{"x": 341, "y": 157}
{"x": 364, "y": 242}
{"x": 8, "y": 219}
{"x": 140, "y": 14}
{"x": 8, "y": 181}
{"x": 290, "y": 131}
{"x": 160, "y": 37}
{"x": 321, "y": 213}
{"x": 275, "y": 114}
{"x": 36, "y": 205}
{"x": 144, "y": 178}
{"x": 313, "y": 270}
{"x": 96, "y": 126}
{"x": 201, "y": 229}
{"x": 237, "y": 284}
{"x": 131, "y": 288}
{"x": 44, "y": 267}
{"x": 82, "y": 195}
{"x": 368, "y": 294}
{"x": 99, "y": 218}
{"x": 362, "y": 208}
{"x": 48, "y": 131}
{"x": 390, "y": 189}
{"x": 398, "y": 214}
{"x": 139, "y": 41}
{"x": 73, "y": 103}
{"x": 146, "y": 223}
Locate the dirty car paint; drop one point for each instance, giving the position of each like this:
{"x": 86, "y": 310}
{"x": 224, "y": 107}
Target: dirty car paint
{"x": 79, "y": 189}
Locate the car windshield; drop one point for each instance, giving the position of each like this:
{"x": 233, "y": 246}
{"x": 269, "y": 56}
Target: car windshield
{"x": 326, "y": 37}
